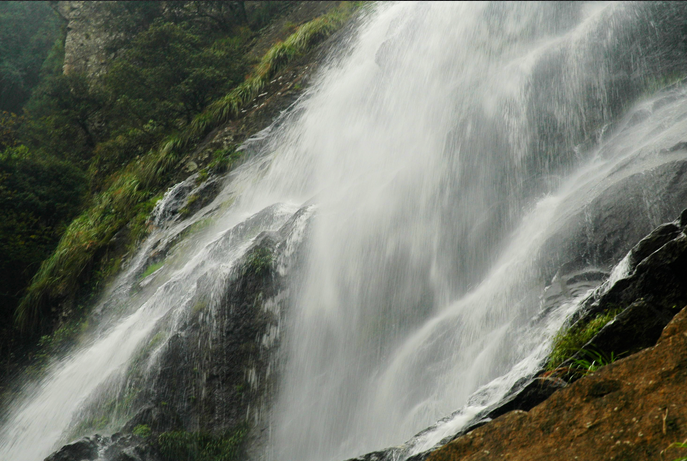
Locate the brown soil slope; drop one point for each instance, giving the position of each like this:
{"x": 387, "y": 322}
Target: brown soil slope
{"x": 633, "y": 409}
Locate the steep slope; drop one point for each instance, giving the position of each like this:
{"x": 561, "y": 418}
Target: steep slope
{"x": 633, "y": 409}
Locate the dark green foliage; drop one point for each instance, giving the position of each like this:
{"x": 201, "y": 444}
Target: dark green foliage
{"x": 169, "y": 74}
{"x": 28, "y": 31}
{"x": 126, "y": 19}
{"x": 263, "y": 12}
{"x": 65, "y": 112}
{"x": 198, "y": 446}
{"x": 9, "y": 125}
{"x": 142, "y": 430}
{"x": 38, "y": 198}
{"x": 304, "y": 39}
{"x": 259, "y": 261}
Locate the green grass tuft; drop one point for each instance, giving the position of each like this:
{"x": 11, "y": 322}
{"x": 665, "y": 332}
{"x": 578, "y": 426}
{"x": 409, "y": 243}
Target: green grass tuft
{"x": 198, "y": 446}
{"x": 592, "y": 360}
{"x": 568, "y": 342}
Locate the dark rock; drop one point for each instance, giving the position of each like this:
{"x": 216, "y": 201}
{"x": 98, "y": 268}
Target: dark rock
{"x": 130, "y": 448}
{"x": 639, "y": 326}
{"x": 619, "y": 217}
{"x": 534, "y": 393}
{"x": 683, "y": 218}
{"x": 649, "y": 244}
{"x": 82, "y": 450}
{"x": 203, "y": 195}
{"x": 649, "y": 297}
{"x": 679, "y": 146}
{"x": 382, "y": 455}
{"x": 116, "y": 448}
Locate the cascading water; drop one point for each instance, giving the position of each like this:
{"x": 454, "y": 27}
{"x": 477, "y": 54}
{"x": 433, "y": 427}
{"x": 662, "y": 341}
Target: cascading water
{"x": 448, "y": 149}
{"x": 456, "y": 155}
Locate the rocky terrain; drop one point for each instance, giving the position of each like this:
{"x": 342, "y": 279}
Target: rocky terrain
{"x": 633, "y": 409}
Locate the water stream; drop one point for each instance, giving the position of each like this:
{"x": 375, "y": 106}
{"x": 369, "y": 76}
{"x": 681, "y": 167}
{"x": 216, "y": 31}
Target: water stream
{"x": 446, "y": 149}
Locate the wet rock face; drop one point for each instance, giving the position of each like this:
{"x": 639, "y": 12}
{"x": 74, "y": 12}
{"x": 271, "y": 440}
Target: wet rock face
{"x": 217, "y": 374}
{"x": 649, "y": 297}
{"x": 632, "y": 409}
{"x": 116, "y": 448}
{"x": 617, "y": 219}
{"x": 207, "y": 380}
{"x": 84, "y": 449}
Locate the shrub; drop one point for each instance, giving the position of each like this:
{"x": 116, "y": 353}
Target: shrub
{"x": 142, "y": 430}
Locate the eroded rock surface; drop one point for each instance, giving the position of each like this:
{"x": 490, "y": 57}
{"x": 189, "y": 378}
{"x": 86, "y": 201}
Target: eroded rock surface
{"x": 632, "y": 409}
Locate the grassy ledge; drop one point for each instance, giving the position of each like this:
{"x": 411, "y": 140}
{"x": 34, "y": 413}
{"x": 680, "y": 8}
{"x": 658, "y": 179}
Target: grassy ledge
{"x": 276, "y": 59}
{"x": 568, "y": 342}
{"x": 129, "y": 196}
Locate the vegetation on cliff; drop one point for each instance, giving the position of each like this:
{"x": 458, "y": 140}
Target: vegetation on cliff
{"x": 117, "y": 141}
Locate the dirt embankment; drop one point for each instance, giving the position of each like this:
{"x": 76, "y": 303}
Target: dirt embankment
{"x": 633, "y": 409}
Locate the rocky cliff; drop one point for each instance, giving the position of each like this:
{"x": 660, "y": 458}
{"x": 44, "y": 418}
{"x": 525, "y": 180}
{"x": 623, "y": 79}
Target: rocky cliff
{"x": 633, "y": 409}
{"x": 87, "y": 44}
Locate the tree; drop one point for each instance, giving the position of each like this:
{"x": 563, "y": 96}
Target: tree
{"x": 169, "y": 74}
{"x": 28, "y": 31}
{"x": 38, "y": 197}
{"x": 65, "y": 115}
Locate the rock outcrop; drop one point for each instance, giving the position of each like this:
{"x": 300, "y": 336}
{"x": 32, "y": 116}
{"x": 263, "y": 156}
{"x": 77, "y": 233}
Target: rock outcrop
{"x": 86, "y": 47}
{"x": 647, "y": 294}
{"x": 635, "y": 408}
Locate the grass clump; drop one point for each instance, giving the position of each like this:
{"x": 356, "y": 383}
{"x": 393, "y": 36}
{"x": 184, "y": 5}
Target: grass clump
{"x": 567, "y": 343}
{"x": 199, "y": 446}
{"x": 224, "y": 159}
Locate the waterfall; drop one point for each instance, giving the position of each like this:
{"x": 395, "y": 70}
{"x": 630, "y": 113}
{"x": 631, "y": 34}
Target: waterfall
{"x": 447, "y": 181}
{"x": 449, "y": 148}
